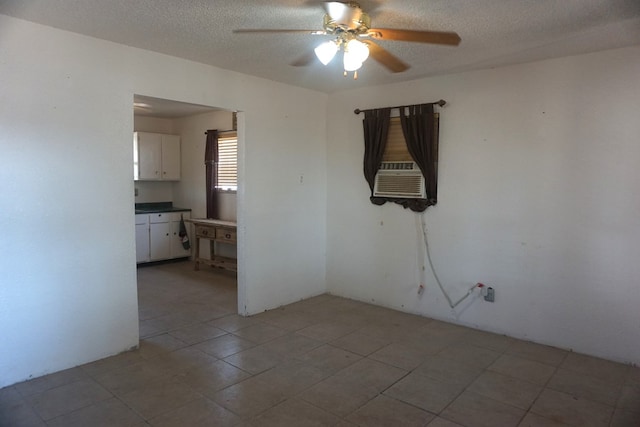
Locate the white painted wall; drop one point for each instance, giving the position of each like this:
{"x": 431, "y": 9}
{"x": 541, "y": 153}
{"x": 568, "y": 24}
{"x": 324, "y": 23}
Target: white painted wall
{"x": 68, "y": 293}
{"x": 538, "y": 197}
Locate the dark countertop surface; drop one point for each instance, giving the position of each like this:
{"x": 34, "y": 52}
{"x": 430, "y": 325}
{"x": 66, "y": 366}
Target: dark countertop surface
{"x": 155, "y": 207}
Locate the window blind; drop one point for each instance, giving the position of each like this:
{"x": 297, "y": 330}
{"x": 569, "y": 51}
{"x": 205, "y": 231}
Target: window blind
{"x": 228, "y": 161}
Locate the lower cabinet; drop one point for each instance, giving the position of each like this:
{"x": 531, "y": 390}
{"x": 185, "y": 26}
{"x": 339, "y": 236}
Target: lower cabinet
{"x": 142, "y": 238}
{"x": 163, "y": 237}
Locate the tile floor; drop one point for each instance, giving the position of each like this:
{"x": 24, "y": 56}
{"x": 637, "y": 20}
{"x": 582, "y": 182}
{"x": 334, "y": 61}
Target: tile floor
{"x": 325, "y": 361}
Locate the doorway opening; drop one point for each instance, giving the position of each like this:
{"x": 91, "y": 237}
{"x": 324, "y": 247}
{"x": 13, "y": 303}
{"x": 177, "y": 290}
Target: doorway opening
{"x": 180, "y": 187}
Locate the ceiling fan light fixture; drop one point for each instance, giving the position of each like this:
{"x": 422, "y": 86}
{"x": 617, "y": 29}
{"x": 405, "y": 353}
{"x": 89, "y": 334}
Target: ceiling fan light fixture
{"x": 326, "y": 51}
{"x": 351, "y": 62}
{"x": 358, "y": 50}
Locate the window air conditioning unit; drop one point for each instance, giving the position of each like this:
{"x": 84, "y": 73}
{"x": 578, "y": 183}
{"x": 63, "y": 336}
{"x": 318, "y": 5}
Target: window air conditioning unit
{"x": 401, "y": 180}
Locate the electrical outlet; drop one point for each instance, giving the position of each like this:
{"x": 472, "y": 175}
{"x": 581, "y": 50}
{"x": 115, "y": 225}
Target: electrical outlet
{"x": 490, "y": 295}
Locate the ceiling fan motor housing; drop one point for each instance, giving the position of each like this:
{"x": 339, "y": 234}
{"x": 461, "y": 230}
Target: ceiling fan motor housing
{"x": 345, "y": 17}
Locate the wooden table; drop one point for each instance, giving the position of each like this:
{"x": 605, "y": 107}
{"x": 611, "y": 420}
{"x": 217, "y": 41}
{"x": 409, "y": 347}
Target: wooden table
{"x": 214, "y": 230}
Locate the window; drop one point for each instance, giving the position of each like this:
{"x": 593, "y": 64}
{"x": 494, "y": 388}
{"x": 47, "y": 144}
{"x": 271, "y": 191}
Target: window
{"x": 227, "y": 161}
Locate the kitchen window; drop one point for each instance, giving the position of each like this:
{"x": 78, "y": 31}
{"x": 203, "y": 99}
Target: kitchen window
{"x": 227, "y": 161}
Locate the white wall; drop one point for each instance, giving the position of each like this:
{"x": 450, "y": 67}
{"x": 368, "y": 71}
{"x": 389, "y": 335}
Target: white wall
{"x": 68, "y": 293}
{"x": 538, "y": 197}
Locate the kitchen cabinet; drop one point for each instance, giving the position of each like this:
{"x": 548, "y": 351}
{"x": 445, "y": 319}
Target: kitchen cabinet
{"x": 159, "y": 236}
{"x": 177, "y": 250}
{"x": 142, "y": 238}
{"x": 156, "y": 157}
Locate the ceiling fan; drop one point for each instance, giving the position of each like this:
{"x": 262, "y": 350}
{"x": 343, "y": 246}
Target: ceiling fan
{"x": 351, "y": 27}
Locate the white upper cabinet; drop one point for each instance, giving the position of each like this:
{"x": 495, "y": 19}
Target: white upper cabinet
{"x": 156, "y": 157}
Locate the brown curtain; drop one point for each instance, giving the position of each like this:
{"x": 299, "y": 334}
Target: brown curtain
{"x": 418, "y": 130}
{"x": 210, "y": 161}
{"x": 376, "y": 130}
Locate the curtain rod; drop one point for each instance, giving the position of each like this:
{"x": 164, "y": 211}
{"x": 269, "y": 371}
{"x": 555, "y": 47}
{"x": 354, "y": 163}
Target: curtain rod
{"x": 222, "y": 131}
{"x": 440, "y": 103}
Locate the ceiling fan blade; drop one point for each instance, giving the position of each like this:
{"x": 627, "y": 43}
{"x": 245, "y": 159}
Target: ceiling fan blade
{"x": 314, "y": 32}
{"x": 384, "y": 57}
{"x": 305, "y": 59}
{"x": 435, "y": 37}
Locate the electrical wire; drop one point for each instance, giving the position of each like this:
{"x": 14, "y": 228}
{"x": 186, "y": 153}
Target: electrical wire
{"x": 433, "y": 270}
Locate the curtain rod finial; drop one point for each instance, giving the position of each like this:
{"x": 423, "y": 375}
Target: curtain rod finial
{"x": 441, "y": 102}
{"x": 357, "y": 111}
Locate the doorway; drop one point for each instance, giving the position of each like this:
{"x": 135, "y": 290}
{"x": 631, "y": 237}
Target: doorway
{"x": 189, "y": 122}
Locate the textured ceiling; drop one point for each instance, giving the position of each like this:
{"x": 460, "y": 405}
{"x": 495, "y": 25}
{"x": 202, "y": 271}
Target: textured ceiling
{"x": 493, "y": 32}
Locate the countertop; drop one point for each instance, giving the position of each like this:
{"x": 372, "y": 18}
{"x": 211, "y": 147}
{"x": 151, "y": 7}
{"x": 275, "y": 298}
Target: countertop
{"x": 155, "y": 207}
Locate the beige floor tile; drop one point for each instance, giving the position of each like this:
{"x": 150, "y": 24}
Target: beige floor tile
{"x": 212, "y": 378}
{"x": 111, "y": 363}
{"x": 359, "y": 343}
{"x": 67, "y": 398}
{"x": 448, "y": 370}
{"x": 289, "y": 320}
{"x": 537, "y": 352}
{"x": 164, "y": 343}
{"x": 197, "y": 333}
{"x": 295, "y": 412}
{"x": 159, "y": 399}
{"x": 182, "y": 360}
{"x": 200, "y": 412}
{"x": 470, "y": 355}
{"x": 472, "y": 409}
{"x": 441, "y": 422}
{"x": 524, "y": 369}
{"x": 630, "y": 397}
{"x": 533, "y": 420}
{"x": 232, "y": 322}
{"x": 585, "y": 386}
{"x": 570, "y": 410}
{"x": 292, "y": 377}
{"x": 249, "y": 398}
{"x": 338, "y": 396}
{"x": 625, "y": 418}
{"x": 329, "y": 359}
{"x": 107, "y": 413}
{"x": 427, "y": 393}
{"x": 256, "y": 359}
{"x": 633, "y": 374}
{"x": 401, "y": 355}
{"x": 260, "y": 333}
{"x": 605, "y": 370}
{"x": 322, "y": 361}
{"x": 224, "y": 346}
{"x": 371, "y": 374}
{"x": 444, "y": 330}
{"x": 495, "y": 342}
{"x": 133, "y": 377}
{"x": 47, "y": 382}
{"x": 292, "y": 345}
{"x": 164, "y": 324}
{"x": 386, "y": 412}
{"x": 15, "y": 412}
{"x": 326, "y": 331}
{"x": 506, "y": 389}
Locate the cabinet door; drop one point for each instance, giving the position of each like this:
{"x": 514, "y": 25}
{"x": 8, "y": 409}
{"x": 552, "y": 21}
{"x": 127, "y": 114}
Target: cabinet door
{"x": 159, "y": 241}
{"x": 177, "y": 250}
{"x": 149, "y": 150}
{"x": 142, "y": 242}
{"x": 171, "y": 157}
